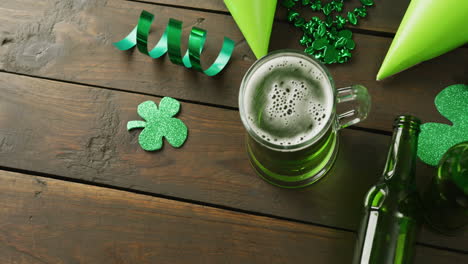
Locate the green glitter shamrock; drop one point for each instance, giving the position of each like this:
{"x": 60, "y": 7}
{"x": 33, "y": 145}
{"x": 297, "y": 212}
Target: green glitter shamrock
{"x": 159, "y": 122}
{"x": 435, "y": 138}
{"x": 321, "y": 48}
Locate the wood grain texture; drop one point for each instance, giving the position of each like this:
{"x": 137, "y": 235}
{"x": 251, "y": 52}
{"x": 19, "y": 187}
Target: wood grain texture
{"x": 80, "y": 132}
{"x": 50, "y": 221}
{"x": 72, "y": 41}
{"x": 384, "y": 16}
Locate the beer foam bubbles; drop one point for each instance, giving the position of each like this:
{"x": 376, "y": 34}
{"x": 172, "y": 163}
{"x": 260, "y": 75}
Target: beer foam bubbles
{"x": 288, "y": 100}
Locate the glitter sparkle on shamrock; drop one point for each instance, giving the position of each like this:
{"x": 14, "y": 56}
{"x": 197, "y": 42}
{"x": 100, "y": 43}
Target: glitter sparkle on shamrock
{"x": 159, "y": 123}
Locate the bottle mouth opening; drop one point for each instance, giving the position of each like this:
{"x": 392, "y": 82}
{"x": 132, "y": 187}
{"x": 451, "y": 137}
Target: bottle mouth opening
{"x": 407, "y": 121}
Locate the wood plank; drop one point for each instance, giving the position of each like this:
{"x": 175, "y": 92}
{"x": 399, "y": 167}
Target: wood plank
{"x": 78, "y": 48}
{"x": 51, "y": 221}
{"x": 16, "y": 13}
{"x": 384, "y": 16}
{"x": 429, "y": 255}
{"x": 211, "y": 5}
{"x": 80, "y": 132}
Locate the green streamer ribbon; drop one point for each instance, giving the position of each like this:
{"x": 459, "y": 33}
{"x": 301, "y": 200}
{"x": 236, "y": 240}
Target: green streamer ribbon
{"x": 170, "y": 43}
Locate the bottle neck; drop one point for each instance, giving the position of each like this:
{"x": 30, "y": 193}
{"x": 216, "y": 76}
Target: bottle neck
{"x": 401, "y": 158}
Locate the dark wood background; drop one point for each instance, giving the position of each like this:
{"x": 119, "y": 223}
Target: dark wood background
{"x": 75, "y": 187}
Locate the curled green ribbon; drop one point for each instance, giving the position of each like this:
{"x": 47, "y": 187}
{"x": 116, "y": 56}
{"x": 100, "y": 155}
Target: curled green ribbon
{"x": 170, "y": 43}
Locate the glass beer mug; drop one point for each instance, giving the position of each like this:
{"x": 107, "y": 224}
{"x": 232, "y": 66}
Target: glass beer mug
{"x": 287, "y": 103}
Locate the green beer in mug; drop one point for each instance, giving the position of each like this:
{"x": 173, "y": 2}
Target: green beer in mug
{"x": 287, "y": 103}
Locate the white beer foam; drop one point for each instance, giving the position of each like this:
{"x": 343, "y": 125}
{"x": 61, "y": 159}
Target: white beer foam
{"x": 288, "y": 100}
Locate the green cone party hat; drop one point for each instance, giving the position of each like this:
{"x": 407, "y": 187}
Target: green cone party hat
{"x": 428, "y": 29}
{"x": 255, "y": 20}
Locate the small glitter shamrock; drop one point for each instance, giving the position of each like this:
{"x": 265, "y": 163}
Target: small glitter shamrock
{"x": 159, "y": 123}
{"x": 328, "y": 53}
{"x": 435, "y": 138}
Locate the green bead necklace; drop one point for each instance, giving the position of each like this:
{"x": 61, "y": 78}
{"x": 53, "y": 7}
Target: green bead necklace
{"x": 326, "y": 40}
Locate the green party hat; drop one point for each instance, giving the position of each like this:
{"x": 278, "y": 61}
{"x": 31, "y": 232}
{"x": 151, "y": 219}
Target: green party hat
{"x": 255, "y": 20}
{"x": 428, "y": 29}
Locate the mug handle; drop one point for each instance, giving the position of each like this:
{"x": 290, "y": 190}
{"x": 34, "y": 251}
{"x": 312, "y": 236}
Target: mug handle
{"x": 359, "y": 96}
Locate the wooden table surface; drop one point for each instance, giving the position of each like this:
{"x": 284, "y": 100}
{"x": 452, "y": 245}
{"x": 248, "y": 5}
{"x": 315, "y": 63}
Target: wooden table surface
{"x": 75, "y": 186}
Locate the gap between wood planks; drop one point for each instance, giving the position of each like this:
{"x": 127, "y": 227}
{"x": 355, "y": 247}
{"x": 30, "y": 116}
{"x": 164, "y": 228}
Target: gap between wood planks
{"x": 183, "y": 7}
{"x": 355, "y": 127}
{"x": 353, "y": 29}
{"x": 186, "y": 200}
{"x": 182, "y": 200}
{"x": 168, "y": 197}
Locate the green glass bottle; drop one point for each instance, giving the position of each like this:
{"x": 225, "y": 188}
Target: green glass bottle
{"x": 446, "y": 197}
{"x": 392, "y": 206}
